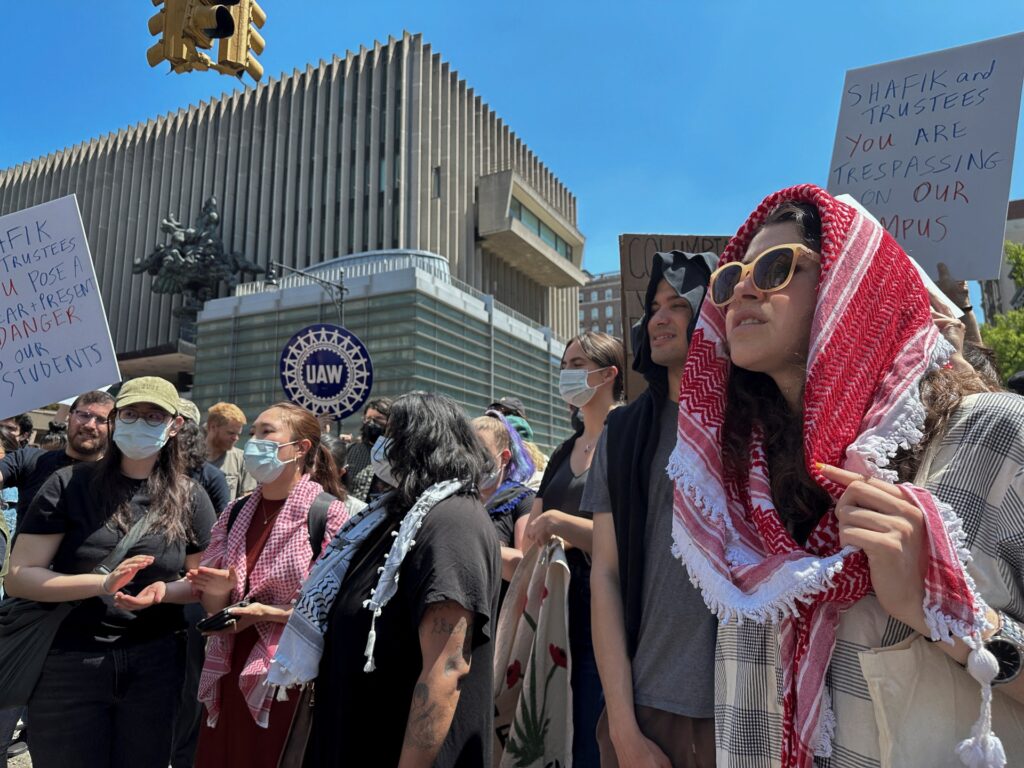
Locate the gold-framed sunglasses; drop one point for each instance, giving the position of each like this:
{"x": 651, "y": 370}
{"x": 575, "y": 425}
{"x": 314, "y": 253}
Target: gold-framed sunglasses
{"x": 772, "y": 269}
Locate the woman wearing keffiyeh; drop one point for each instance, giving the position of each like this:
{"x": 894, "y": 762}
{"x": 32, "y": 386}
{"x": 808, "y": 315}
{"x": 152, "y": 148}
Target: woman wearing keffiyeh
{"x": 815, "y": 382}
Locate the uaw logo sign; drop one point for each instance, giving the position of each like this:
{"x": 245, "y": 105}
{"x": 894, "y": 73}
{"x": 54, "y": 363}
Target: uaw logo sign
{"x": 326, "y": 370}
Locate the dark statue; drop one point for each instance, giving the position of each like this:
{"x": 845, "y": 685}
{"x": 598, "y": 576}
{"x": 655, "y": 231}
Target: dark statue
{"x": 193, "y": 262}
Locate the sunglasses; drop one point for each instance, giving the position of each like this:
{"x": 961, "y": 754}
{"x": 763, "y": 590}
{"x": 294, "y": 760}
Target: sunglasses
{"x": 771, "y": 270}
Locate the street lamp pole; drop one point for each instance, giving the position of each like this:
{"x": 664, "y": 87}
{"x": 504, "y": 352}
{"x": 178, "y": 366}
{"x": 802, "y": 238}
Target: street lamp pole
{"x": 337, "y": 290}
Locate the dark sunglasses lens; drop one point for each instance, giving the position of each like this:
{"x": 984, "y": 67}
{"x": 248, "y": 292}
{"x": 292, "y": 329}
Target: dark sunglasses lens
{"x": 725, "y": 282}
{"x": 773, "y": 268}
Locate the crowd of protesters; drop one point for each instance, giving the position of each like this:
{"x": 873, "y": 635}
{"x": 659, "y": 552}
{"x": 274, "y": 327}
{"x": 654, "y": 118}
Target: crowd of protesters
{"x": 801, "y": 544}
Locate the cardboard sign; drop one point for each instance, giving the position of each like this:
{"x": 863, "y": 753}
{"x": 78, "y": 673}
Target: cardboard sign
{"x": 636, "y": 253}
{"x": 54, "y": 338}
{"x": 926, "y": 144}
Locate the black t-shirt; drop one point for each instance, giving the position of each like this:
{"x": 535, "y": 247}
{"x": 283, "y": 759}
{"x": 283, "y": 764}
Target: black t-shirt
{"x": 508, "y": 513}
{"x": 67, "y": 504}
{"x": 215, "y": 484}
{"x": 562, "y": 490}
{"x": 360, "y": 717}
{"x": 27, "y": 469}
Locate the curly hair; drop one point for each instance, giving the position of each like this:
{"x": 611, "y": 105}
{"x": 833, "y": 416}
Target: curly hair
{"x": 432, "y": 441}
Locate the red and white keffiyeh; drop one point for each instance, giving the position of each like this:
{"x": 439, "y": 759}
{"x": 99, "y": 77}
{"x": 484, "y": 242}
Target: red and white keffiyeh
{"x": 275, "y": 580}
{"x": 872, "y": 340}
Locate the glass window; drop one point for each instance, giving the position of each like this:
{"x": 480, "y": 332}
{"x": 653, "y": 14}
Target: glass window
{"x": 530, "y": 220}
{"x": 608, "y": 294}
{"x": 610, "y": 328}
{"x": 435, "y": 182}
{"x": 608, "y": 312}
{"x": 593, "y": 313}
{"x": 593, "y": 295}
{"x": 594, "y": 328}
{"x": 581, "y": 315}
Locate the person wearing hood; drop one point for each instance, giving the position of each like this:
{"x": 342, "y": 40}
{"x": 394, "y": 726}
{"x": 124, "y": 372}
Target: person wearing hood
{"x": 590, "y": 380}
{"x": 653, "y": 636}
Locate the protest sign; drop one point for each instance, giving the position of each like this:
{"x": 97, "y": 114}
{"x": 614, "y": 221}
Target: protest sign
{"x": 926, "y": 144}
{"x": 636, "y": 253}
{"x": 54, "y": 339}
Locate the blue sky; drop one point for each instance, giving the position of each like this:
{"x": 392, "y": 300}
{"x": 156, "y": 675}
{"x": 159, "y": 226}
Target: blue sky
{"x": 669, "y": 117}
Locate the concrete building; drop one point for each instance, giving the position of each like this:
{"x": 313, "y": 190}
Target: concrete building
{"x": 386, "y": 148}
{"x": 601, "y": 304}
{"x": 423, "y": 329}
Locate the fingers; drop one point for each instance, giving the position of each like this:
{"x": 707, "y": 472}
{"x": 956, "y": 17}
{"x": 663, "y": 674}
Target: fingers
{"x": 847, "y": 478}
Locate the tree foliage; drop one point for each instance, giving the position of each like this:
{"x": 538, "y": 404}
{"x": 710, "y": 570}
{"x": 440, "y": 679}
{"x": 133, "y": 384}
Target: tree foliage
{"x": 1005, "y": 333}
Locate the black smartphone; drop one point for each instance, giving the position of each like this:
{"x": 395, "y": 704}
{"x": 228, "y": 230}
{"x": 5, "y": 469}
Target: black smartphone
{"x": 220, "y": 620}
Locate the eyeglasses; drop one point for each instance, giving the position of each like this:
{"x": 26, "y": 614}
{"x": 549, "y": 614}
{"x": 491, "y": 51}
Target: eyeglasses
{"x": 772, "y": 270}
{"x": 84, "y": 417}
{"x": 152, "y": 418}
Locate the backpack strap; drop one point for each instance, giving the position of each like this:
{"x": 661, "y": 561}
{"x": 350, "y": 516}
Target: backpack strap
{"x": 316, "y": 520}
{"x": 235, "y": 509}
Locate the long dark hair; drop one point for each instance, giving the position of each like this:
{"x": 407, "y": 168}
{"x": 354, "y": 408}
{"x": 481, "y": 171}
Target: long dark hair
{"x": 753, "y": 398}
{"x": 168, "y": 487}
{"x": 318, "y": 461}
{"x": 432, "y": 441}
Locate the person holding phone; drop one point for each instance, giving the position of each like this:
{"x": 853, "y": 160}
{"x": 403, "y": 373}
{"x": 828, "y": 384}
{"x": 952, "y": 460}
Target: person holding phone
{"x": 109, "y": 687}
{"x": 260, "y": 552}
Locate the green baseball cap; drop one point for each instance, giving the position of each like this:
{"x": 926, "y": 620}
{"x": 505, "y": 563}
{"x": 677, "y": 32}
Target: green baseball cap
{"x": 148, "y": 389}
{"x": 188, "y": 409}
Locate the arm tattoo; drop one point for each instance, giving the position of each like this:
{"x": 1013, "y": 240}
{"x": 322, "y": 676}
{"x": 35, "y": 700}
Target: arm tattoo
{"x": 421, "y": 731}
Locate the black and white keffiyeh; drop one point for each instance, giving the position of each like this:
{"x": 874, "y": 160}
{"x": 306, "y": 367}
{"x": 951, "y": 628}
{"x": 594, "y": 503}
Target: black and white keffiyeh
{"x": 301, "y": 647}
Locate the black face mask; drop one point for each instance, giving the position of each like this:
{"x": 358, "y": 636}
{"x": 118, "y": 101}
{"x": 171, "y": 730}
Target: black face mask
{"x": 370, "y": 431}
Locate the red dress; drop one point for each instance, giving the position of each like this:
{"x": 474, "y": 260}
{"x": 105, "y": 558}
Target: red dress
{"x": 237, "y": 740}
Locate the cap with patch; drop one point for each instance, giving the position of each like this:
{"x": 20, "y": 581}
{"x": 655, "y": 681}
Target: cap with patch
{"x": 148, "y": 389}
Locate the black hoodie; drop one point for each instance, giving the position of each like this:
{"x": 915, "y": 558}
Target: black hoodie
{"x": 633, "y": 431}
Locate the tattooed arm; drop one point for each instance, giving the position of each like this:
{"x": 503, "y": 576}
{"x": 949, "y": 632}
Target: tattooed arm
{"x": 446, "y": 644}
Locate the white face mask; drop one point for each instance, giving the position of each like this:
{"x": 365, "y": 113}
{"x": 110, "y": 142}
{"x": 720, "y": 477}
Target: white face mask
{"x": 573, "y": 386}
{"x": 380, "y": 463}
{"x": 139, "y": 440}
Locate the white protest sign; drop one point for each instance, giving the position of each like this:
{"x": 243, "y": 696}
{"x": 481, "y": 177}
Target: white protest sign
{"x": 926, "y": 144}
{"x": 54, "y": 339}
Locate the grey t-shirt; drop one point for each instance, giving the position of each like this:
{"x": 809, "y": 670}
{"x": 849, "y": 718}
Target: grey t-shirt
{"x": 239, "y": 481}
{"x": 674, "y": 665}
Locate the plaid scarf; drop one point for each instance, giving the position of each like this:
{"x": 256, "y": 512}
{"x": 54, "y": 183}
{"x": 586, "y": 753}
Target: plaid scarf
{"x": 872, "y": 340}
{"x": 275, "y": 580}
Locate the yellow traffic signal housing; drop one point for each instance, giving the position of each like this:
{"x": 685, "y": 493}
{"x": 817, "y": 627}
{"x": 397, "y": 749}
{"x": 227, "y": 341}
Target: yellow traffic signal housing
{"x": 237, "y": 53}
{"x": 206, "y": 21}
{"x": 186, "y": 25}
{"x": 169, "y": 23}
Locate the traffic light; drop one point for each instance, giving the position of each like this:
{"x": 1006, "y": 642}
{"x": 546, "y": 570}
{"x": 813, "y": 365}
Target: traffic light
{"x": 237, "y": 52}
{"x": 169, "y": 23}
{"x": 206, "y": 21}
{"x": 184, "y": 26}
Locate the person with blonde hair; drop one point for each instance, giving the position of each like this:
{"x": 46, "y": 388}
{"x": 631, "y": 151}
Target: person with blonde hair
{"x": 224, "y": 425}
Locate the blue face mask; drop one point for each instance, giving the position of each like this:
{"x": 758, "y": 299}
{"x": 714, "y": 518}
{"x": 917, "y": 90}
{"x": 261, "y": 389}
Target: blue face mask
{"x": 139, "y": 440}
{"x": 261, "y": 461}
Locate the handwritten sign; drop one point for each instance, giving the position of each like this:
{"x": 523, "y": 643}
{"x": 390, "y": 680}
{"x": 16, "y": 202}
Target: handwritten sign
{"x": 54, "y": 339}
{"x": 636, "y": 254}
{"x": 926, "y": 144}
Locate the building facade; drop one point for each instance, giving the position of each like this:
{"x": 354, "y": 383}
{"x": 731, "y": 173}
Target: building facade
{"x": 386, "y": 148}
{"x": 423, "y": 329}
{"x": 997, "y": 296}
{"x": 601, "y": 304}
